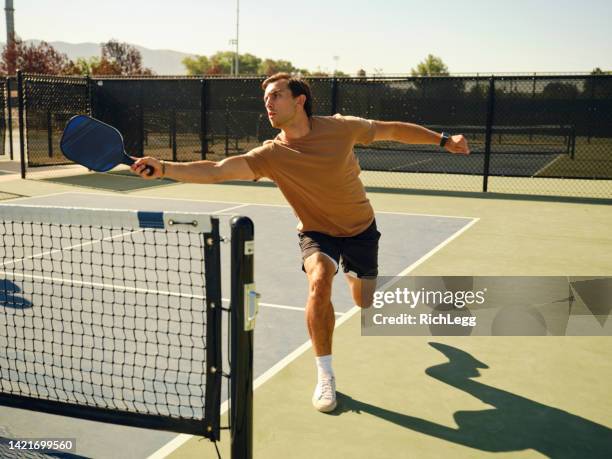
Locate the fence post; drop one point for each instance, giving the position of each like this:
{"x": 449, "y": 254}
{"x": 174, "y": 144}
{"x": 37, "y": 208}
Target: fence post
{"x": 141, "y": 128}
{"x": 227, "y": 132}
{"x": 488, "y": 132}
{"x": 90, "y": 110}
{"x": 20, "y": 95}
{"x": 203, "y": 127}
{"x": 9, "y": 105}
{"x": 50, "y": 133}
{"x": 591, "y": 109}
{"x": 173, "y": 135}
{"x": 334, "y": 96}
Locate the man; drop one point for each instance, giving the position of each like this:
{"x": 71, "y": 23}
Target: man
{"x": 312, "y": 162}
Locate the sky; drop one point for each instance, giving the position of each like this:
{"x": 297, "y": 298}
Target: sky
{"x": 385, "y": 36}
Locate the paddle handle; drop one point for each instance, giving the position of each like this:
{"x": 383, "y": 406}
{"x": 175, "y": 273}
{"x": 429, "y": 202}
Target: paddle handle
{"x": 129, "y": 161}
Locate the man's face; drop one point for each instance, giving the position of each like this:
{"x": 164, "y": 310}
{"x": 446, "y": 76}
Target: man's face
{"x": 280, "y": 104}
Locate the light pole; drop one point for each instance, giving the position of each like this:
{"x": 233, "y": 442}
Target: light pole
{"x": 336, "y": 59}
{"x": 237, "y": 65}
{"x": 10, "y": 39}
{"x": 233, "y": 41}
{"x": 10, "y": 22}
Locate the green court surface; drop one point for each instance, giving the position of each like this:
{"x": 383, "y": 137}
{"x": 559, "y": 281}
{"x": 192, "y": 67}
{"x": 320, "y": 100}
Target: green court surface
{"x": 400, "y": 396}
{"x": 545, "y": 396}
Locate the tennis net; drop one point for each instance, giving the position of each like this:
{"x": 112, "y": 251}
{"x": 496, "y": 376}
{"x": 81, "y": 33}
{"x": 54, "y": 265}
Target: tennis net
{"x": 112, "y": 315}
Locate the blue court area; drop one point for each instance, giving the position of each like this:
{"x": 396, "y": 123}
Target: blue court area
{"x": 280, "y": 328}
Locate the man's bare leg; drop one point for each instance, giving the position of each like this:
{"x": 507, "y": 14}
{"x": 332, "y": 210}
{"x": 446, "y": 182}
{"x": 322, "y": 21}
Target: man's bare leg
{"x": 320, "y": 317}
{"x": 362, "y": 290}
{"x": 321, "y": 320}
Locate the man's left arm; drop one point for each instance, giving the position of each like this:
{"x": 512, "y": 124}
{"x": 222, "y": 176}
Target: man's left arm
{"x": 414, "y": 134}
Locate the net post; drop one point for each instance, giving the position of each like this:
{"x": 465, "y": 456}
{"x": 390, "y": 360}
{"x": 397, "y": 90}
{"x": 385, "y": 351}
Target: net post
{"x": 21, "y": 121}
{"x": 488, "y": 134}
{"x": 212, "y": 271}
{"x": 243, "y": 310}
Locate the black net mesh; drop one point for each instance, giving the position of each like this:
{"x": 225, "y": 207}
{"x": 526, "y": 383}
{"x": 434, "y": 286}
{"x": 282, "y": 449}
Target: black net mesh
{"x": 105, "y": 315}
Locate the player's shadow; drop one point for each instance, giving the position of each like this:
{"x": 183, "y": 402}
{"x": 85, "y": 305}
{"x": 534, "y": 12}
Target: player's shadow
{"x": 514, "y": 423}
{"x": 9, "y": 296}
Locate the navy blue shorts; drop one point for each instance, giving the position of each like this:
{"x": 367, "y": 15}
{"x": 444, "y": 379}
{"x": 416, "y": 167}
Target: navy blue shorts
{"x": 357, "y": 254}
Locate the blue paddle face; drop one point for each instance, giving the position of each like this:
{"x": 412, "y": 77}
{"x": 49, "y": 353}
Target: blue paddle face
{"x": 93, "y": 144}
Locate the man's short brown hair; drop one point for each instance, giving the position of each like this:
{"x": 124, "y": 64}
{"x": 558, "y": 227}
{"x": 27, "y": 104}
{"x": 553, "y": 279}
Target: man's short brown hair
{"x": 297, "y": 87}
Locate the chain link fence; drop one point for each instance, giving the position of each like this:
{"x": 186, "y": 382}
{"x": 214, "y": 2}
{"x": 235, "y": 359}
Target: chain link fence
{"x": 528, "y": 134}
{"x": 46, "y": 105}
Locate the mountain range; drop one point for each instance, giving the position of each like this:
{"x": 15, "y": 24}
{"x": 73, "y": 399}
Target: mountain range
{"x": 161, "y": 61}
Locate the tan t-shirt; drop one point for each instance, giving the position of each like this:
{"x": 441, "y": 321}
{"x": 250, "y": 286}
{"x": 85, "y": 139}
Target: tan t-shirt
{"x": 319, "y": 174}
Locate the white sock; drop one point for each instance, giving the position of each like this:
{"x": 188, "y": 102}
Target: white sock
{"x": 324, "y": 367}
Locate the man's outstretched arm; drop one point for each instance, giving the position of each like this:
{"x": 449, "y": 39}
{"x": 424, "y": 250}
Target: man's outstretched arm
{"x": 414, "y": 134}
{"x": 234, "y": 168}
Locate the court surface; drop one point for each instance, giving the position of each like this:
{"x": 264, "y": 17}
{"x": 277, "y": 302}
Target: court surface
{"x": 280, "y": 331}
{"x": 525, "y": 164}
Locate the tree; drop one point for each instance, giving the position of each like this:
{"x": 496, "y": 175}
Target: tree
{"x": 105, "y": 67}
{"x": 431, "y": 66}
{"x": 197, "y": 65}
{"x": 41, "y": 58}
{"x": 271, "y": 66}
{"x": 222, "y": 63}
{"x": 84, "y": 66}
{"x": 361, "y": 73}
{"x": 248, "y": 64}
{"x": 442, "y": 88}
{"x": 120, "y": 59}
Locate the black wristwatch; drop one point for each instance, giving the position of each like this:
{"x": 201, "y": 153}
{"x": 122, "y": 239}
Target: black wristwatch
{"x": 444, "y": 138}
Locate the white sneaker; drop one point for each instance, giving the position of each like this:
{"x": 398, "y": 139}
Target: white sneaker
{"x": 324, "y": 397}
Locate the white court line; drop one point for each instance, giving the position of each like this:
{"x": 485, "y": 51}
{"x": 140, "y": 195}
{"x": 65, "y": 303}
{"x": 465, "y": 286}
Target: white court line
{"x": 123, "y": 288}
{"x": 548, "y": 165}
{"x": 61, "y": 249}
{"x": 34, "y": 197}
{"x": 427, "y": 215}
{"x": 293, "y": 308}
{"x": 413, "y": 163}
{"x": 228, "y": 209}
{"x": 284, "y": 306}
{"x": 237, "y": 203}
{"x": 177, "y": 442}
